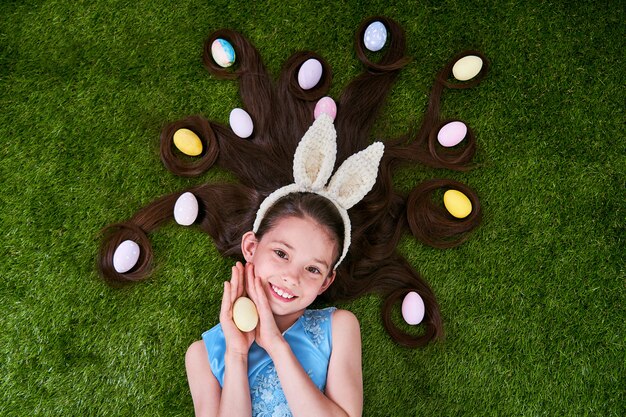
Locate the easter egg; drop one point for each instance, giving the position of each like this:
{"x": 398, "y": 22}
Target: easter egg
{"x": 241, "y": 123}
{"x": 186, "y": 209}
{"x": 126, "y": 256}
{"x": 327, "y": 106}
{"x": 413, "y": 308}
{"x": 457, "y": 203}
{"x": 245, "y": 315}
{"x": 451, "y": 134}
{"x": 223, "y": 53}
{"x": 187, "y": 142}
{"x": 310, "y": 74}
{"x": 467, "y": 67}
{"x": 375, "y": 36}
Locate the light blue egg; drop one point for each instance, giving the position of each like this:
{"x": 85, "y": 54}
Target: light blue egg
{"x": 375, "y": 36}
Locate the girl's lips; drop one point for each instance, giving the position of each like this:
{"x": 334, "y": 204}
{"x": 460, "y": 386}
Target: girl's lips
{"x": 279, "y": 297}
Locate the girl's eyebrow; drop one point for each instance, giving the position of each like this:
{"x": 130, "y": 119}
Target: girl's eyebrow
{"x": 288, "y": 246}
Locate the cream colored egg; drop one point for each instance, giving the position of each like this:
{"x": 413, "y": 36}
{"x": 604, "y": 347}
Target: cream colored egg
{"x": 457, "y": 204}
{"x": 188, "y": 142}
{"x": 467, "y": 67}
{"x": 245, "y": 315}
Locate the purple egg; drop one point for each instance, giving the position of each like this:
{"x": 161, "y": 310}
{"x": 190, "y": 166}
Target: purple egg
{"x": 452, "y": 134}
{"x": 126, "y": 256}
{"x": 310, "y": 74}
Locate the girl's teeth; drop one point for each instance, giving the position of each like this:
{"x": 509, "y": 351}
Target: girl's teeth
{"x": 282, "y": 293}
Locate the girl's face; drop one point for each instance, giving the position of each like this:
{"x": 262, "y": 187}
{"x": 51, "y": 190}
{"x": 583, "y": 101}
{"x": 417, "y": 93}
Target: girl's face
{"x": 294, "y": 261}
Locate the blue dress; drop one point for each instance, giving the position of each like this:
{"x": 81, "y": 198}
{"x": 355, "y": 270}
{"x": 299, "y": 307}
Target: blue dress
{"x": 310, "y": 340}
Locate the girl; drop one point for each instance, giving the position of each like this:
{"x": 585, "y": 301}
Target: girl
{"x": 282, "y": 111}
{"x": 305, "y": 361}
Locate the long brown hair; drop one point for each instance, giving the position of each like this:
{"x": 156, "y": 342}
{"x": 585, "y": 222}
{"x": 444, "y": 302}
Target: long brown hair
{"x": 282, "y": 112}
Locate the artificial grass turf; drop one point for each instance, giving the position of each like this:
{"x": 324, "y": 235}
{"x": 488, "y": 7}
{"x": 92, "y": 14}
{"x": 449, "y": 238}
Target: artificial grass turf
{"x": 533, "y": 303}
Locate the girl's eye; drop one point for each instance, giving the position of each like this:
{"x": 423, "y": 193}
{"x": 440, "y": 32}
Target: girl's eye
{"x": 280, "y": 253}
{"x": 314, "y": 270}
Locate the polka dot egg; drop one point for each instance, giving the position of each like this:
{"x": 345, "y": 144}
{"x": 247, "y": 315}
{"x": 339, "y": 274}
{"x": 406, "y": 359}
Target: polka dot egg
{"x": 375, "y": 36}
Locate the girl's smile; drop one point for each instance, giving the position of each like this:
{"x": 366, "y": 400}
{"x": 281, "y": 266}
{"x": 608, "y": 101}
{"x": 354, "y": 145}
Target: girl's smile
{"x": 282, "y": 294}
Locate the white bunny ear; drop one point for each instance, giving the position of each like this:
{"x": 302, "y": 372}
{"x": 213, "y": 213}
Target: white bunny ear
{"x": 314, "y": 159}
{"x": 356, "y": 176}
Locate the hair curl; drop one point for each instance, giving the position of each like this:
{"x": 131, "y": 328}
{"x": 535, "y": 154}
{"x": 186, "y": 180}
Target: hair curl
{"x": 282, "y": 112}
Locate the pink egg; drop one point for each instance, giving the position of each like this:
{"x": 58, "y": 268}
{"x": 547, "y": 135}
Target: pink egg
{"x": 310, "y": 74}
{"x": 452, "y": 134}
{"x": 413, "y": 308}
{"x": 325, "y": 105}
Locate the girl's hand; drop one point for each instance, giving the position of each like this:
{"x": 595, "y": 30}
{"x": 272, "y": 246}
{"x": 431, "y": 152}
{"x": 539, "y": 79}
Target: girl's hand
{"x": 237, "y": 342}
{"x": 267, "y": 333}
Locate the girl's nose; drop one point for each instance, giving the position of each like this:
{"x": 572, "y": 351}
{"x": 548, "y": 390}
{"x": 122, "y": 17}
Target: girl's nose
{"x": 290, "y": 276}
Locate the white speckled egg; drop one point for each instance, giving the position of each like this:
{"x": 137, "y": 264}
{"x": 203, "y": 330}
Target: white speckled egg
{"x": 186, "y": 209}
{"x": 457, "y": 204}
{"x": 245, "y": 315}
{"x": 451, "y": 134}
{"x": 375, "y": 36}
{"x": 413, "y": 308}
{"x": 310, "y": 74}
{"x": 467, "y": 67}
{"x": 126, "y": 256}
{"x": 241, "y": 123}
{"x": 325, "y": 105}
{"x": 223, "y": 53}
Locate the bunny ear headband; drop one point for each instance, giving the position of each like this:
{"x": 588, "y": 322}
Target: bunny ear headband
{"x": 313, "y": 165}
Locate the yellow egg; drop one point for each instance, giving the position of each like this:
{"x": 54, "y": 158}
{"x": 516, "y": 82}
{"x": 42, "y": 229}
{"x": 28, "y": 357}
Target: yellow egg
{"x": 245, "y": 315}
{"x": 457, "y": 203}
{"x": 187, "y": 142}
{"x": 467, "y": 67}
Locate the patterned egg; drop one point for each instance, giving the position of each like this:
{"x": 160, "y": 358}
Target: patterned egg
{"x": 467, "y": 67}
{"x": 310, "y": 74}
{"x": 375, "y": 36}
{"x": 223, "y": 53}
{"x": 457, "y": 204}
{"x": 245, "y": 315}
{"x": 126, "y": 256}
{"x": 186, "y": 209}
{"x": 241, "y": 123}
{"x": 325, "y": 105}
{"x": 187, "y": 142}
{"x": 413, "y": 308}
{"x": 451, "y": 134}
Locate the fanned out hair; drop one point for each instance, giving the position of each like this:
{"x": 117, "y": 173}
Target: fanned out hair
{"x": 282, "y": 112}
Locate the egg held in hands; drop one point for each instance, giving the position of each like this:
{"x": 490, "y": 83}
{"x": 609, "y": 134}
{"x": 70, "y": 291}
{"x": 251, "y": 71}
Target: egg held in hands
{"x": 245, "y": 314}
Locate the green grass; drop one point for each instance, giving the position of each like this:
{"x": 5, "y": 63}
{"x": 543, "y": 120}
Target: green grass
{"x": 533, "y": 303}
